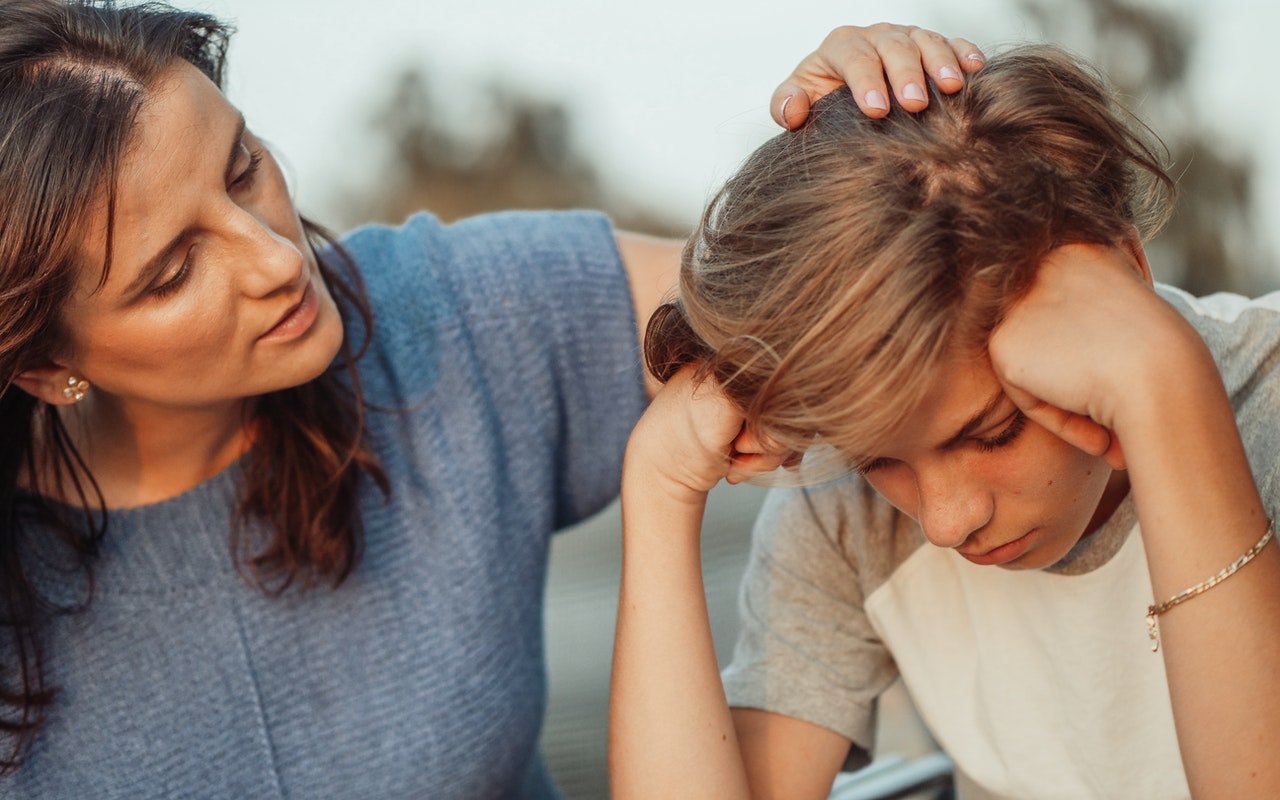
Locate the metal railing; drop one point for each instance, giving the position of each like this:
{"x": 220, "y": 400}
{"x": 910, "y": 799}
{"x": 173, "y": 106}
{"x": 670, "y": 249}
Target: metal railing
{"x": 895, "y": 777}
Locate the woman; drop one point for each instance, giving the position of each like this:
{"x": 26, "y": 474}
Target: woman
{"x": 276, "y": 509}
{"x": 1055, "y": 468}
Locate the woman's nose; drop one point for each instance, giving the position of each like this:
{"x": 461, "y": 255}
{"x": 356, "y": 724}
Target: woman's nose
{"x": 272, "y": 261}
{"x": 952, "y": 505}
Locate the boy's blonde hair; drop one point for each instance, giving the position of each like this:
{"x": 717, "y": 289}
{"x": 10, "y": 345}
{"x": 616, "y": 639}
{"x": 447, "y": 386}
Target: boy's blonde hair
{"x": 846, "y": 259}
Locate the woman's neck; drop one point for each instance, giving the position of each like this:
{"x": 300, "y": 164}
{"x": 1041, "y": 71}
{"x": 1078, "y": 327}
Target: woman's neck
{"x": 140, "y": 456}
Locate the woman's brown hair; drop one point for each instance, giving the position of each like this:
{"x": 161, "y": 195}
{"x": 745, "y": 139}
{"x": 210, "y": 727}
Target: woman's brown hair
{"x": 846, "y": 259}
{"x": 73, "y": 74}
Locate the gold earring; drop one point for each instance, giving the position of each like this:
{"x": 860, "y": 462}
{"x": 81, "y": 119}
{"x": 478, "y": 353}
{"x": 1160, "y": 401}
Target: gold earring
{"x": 76, "y": 389}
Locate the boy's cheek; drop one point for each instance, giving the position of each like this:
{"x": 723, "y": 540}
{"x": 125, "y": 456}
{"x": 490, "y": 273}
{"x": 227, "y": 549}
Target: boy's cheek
{"x": 897, "y": 487}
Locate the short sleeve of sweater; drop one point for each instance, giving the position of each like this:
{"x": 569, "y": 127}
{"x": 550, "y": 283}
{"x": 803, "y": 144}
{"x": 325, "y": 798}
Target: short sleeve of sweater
{"x": 519, "y": 329}
{"x": 806, "y": 648}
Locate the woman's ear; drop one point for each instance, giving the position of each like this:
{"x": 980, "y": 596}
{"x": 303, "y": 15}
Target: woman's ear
{"x": 54, "y": 384}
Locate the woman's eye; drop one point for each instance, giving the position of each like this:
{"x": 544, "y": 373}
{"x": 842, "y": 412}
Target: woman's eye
{"x": 179, "y": 278}
{"x": 246, "y": 177}
{"x": 1011, "y": 431}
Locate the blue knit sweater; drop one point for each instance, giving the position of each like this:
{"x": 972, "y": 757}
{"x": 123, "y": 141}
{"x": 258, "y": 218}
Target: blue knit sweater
{"x": 508, "y": 345}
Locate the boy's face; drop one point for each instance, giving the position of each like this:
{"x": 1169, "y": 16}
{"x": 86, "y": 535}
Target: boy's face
{"x": 982, "y": 478}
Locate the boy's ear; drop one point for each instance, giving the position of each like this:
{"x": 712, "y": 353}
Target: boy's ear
{"x": 54, "y": 384}
{"x": 1133, "y": 246}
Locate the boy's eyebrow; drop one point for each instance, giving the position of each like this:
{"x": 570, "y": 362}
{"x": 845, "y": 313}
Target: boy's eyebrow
{"x": 976, "y": 421}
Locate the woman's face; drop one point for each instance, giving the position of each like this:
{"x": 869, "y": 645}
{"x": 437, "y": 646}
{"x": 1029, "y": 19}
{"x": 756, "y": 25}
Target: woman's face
{"x": 985, "y": 480}
{"x": 213, "y": 294}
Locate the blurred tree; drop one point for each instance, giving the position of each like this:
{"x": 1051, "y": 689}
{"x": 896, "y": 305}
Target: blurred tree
{"x": 1212, "y": 243}
{"x": 509, "y": 150}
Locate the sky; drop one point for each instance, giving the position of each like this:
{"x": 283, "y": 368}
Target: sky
{"x": 668, "y": 96}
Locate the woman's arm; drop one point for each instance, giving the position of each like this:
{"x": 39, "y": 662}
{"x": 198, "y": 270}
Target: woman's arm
{"x": 862, "y": 58}
{"x": 1092, "y": 344}
{"x": 652, "y": 265}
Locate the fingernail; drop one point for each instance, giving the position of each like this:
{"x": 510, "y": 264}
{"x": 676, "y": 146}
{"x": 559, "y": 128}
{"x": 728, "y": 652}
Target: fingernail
{"x": 913, "y": 91}
{"x": 782, "y": 111}
{"x": 975, "y": 58}
{"x": 949, "y": 74}
{"x": 876, "y": 99}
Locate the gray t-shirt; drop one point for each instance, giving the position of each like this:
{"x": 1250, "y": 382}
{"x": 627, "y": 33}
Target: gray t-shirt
{"x": 1037, "y": 684}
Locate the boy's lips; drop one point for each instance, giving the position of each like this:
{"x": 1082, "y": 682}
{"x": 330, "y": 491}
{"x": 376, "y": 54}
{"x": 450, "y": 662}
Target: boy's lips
{"x": 1001, "y": 554}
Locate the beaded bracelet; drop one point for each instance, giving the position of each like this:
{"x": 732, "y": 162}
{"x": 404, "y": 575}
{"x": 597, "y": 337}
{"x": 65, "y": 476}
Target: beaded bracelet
{"x": 1203, "y": 586}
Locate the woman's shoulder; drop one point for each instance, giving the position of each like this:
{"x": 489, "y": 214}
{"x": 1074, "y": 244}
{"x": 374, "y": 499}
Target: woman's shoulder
{"x": 491, "y": 241}
{"x": 494, "y": 262}
{"x": 528, "y": 298}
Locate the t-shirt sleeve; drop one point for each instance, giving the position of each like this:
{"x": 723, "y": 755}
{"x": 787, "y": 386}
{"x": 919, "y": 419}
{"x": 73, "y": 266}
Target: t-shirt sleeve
{"x": 1253, "y": 383}
{"x": 806, "y": 648}
{"x": 524, "y": 322}
{"x": 1244, "y": 336}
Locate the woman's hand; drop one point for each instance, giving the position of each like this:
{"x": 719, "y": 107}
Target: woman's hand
{"x": 862, "y": 58}
{"x": 1072, "y": 352}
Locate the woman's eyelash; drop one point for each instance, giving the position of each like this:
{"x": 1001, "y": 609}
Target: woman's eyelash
{"x": 245, "y": 179}
{"x": 175, "y": 283}
{"x": 242, "y": 181}
{"x": 1006, "y": 436}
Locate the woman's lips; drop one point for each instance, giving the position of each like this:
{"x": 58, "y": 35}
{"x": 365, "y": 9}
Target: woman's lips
{"x": 1004, "y": 553}
{"x": 296, "y": 321}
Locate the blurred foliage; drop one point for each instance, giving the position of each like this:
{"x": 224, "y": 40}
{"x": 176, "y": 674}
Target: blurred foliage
{"x": 505, "y": 149}
{"x": 1212, "y": 243}
{"x": 508, "y": 149}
